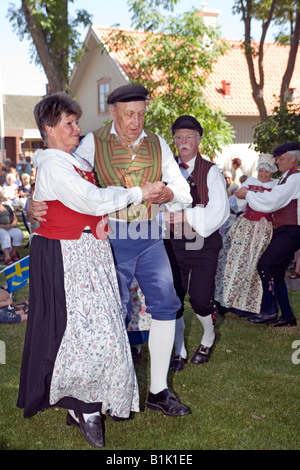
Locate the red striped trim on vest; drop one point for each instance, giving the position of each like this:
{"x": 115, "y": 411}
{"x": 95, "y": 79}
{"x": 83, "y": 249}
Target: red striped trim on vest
{"x": 290, "y": 214}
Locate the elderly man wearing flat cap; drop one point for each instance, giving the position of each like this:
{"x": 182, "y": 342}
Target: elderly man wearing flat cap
{"x": 194, "y": 263}
{"x": 128, "y": 155}
{"x": 284, "y": 202}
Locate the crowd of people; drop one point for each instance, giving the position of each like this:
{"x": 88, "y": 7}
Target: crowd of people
{"x": 118, "y": 213}
{"x": 16, "y": 187}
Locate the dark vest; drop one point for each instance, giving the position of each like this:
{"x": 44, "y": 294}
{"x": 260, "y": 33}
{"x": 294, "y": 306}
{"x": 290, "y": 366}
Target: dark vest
{"x": 198, "y": 181}
{"x": 199, "y": 192}
{"x": 288, "y": 215}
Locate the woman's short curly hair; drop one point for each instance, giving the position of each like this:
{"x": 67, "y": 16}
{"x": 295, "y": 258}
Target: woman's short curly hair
{"x": 48, "y": 112}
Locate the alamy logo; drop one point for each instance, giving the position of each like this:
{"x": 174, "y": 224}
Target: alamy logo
{"x": 2, "y": 353}
{"x": 296, "y": 354}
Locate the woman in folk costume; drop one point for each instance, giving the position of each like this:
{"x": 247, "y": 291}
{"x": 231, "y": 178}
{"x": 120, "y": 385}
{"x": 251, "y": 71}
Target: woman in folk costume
{"x": 77, "y": 354}
{"x": 238, "y": 284}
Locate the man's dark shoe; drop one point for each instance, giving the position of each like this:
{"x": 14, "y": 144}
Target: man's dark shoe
{"x": 263, "y": 318}
{"x": 116, "y": 418}
{"x": 166, "y": 402}
{"x": 177, "y": 364}
{"x": 283, "y": 322}
{"x": 201, "y": 355}
{"x": 92, "y": 429}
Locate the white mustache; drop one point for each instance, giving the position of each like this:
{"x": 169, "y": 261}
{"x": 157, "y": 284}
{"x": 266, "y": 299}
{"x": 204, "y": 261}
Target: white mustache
{"x": 184, "y": 146}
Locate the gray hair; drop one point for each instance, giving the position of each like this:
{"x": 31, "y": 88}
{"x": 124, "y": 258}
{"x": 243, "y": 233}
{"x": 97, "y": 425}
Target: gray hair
{"x": 291, "y": 153}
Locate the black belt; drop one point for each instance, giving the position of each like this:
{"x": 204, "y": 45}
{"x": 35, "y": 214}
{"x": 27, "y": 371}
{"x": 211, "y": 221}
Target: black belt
{"x": 87, "y": 231}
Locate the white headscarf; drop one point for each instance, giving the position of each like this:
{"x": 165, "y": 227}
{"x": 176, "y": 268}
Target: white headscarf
{"x": 267, "y": 161}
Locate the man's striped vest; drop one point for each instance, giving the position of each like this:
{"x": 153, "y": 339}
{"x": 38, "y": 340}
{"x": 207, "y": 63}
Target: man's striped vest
{"x": 114, "y": 166}
{"x": 198, "y": 181}
{"x": 290, "y": 214}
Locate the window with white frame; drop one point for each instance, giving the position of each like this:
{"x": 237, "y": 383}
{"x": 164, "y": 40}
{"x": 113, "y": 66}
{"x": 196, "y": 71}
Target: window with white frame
{"x": 103, "y": 92}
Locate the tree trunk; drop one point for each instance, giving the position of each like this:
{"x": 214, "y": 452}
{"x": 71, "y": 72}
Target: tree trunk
{"x": 295, "y": 37}
{"x": 256, "y": 84}
{"x": 56, "y": 81}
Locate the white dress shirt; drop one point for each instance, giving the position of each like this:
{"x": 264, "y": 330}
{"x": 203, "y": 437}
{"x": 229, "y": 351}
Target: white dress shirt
{"x": 252, "y": 181}
{"x": 206, "y": 220}
{"x": 280, "y": 196}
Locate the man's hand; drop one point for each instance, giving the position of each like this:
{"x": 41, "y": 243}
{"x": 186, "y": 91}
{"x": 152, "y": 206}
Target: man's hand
{"x": 240, "y": 193}
{"x": 159, "y": 193}
{"x": 178, "y": 217}
{"x": 146, "y": 189}
{"x": 36, "y": 210}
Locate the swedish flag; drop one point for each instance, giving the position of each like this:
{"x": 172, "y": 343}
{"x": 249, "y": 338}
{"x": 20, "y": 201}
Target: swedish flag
{"x": 17, "y": 274}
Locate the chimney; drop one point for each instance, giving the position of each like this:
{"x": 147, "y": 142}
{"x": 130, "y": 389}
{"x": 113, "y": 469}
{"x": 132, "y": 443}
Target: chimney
{"x": 209, "y": 16}
{"x": 226, "y": 88}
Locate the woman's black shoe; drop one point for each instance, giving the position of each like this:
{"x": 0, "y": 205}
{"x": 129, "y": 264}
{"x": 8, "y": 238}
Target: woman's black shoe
{"x": 92, "y": 429}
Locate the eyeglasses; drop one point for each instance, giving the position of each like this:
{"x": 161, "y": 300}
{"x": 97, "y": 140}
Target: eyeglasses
{"x": 189, "y": 137}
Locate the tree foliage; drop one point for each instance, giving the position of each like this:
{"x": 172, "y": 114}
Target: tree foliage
{"x": 174, "y": 64}
{"x": 54, "y": 37}
{"x": 282, "y": 126}
{"x": 283, "y": 14}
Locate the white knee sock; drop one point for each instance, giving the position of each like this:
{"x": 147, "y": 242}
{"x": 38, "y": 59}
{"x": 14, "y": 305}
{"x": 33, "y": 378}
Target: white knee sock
{"x": 179, "y": 338}
{"x": 209, "y": 330}
{"x": 161, "y": 341}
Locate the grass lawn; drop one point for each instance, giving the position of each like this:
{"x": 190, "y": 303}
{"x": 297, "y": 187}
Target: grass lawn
{"x": 245, "y": 398}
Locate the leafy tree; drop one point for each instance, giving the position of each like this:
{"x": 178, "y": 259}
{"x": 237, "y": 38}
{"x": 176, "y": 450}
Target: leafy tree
{"x": 53, "y": 34}
{"x": 280, "y": 13}
{"x": 282, "y": 126}
{"x": 175, "y": 64}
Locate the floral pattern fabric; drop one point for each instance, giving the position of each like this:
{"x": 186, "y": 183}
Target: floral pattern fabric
{"x": 94, "y": 361}
{"x": 238, "y": 284}
{"x": 140, "y": 320}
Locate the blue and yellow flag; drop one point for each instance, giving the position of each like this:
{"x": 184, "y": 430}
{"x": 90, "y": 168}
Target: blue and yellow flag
{"x": 17, "y": 274}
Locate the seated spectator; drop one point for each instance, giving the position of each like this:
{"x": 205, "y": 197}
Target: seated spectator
{"x": 25, "y": 190}
{"x": 11, "y": 312}
{"x": 10, "y": 190}
{"x": 228, "y": 180}
{"x": 11, "y": 237}
{"x": 2, "y": 174}
{"x": 12, "y": 169}
{"x": 243, "y": 178}
{"x": 23, "y": 166}
{"x": 238, "y": 284}
{"x": 32, "y": 175}
{"x": 24, "y": 169}
{"x": 236, "y": 170}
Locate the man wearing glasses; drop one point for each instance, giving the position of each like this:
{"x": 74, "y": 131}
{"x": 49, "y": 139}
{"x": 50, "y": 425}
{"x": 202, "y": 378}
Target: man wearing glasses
{"x": 194, "y": 242}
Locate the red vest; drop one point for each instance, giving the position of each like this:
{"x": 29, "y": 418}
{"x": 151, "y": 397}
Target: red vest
{"x": 288, "y": 215}
{"x": 65, "y": 224}
{"x": 198, "y": 181}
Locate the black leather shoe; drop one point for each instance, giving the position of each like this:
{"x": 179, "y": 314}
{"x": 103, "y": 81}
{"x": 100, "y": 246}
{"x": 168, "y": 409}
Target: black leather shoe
{"x": 92, "y": 429}
{"x": 282, "y": 322}
{"x": 201, "y": 355}
{"x": 177, "y": 364}
{"x": 263, "y": 318}
{"x": 116, "y": 418}
{"x": 166, "y": 402}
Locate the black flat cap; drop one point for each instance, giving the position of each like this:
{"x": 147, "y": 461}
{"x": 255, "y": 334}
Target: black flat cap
{"x": 283, "y": 148}
{"x": 187, "y": 122}
{"x": 127, "y": 93}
